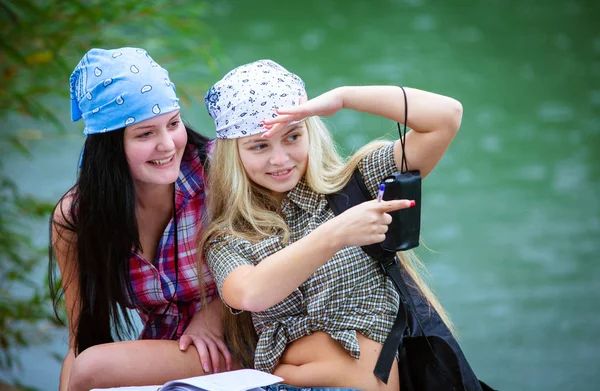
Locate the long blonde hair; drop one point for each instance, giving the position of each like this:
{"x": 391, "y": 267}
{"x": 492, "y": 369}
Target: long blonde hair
{"x": 237, "y": 206}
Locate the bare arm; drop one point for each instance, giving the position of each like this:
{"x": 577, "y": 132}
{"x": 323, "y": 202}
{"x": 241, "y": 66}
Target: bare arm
{"x": 65, "y": 372}
{"x": 134, "y": 363}
{"x": 64, "y": 243}
{"x": 256, "y": 288}
{"x": 434, "y": 119}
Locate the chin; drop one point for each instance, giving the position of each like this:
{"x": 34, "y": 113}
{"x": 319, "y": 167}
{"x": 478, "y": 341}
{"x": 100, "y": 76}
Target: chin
{"x": 284, "y": 189}
{"x": 164, "y": 179}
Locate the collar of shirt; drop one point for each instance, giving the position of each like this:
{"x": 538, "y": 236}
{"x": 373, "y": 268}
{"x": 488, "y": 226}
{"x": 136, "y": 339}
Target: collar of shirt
{"x": 304, "y": 197}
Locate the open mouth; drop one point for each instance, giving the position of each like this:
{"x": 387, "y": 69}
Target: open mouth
{"x": 162, "y": 162}
{"x": 281, "y": 172}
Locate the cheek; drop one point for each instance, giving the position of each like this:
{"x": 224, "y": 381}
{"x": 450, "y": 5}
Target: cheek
{"x": 180, "y": 138}
{"x": 131, "y": 152}
{"x": 248, "y": 162}
{"x": 136, "y": 154}
{"x": 301, "y": 152}
{"x": 254, "y": 164}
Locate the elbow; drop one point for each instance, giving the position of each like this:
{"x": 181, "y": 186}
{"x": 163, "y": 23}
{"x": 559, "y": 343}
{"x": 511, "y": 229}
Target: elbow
{"x": 247, "y": 298}
{"x": 87, "y": 369}
{"x": 455, "y": 116}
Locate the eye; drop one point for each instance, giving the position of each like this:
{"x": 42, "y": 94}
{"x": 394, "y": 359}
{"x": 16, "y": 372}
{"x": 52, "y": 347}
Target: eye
{"x": 175, "y": 123}
{"x": 258, "y": 147}
{"x": 143, "y": 135}
{"x": 293, "y": 137}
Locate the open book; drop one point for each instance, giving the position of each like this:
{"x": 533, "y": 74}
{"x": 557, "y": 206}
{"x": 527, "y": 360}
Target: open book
{"x": 240, "y": 380}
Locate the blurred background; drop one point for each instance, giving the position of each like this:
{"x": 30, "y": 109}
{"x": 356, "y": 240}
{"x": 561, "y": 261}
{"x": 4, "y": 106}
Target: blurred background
{"x": 510, "y": 215}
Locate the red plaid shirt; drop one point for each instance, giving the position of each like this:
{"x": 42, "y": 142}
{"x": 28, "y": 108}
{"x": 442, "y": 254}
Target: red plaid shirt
{"x": 153, "y": 284}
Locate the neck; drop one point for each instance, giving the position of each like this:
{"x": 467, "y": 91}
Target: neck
{"x": 279, "y": 196}
{"x": 149, "y": 196}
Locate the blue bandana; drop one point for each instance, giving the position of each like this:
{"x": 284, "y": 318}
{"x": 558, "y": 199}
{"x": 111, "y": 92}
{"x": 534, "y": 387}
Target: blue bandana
{"x": 112, "y": 89}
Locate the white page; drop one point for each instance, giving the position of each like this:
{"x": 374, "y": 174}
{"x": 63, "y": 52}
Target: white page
{"x": 243, "y": 379}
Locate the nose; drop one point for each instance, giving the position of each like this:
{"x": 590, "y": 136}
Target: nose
{"x": 165, "y": 143}
{"x": 279, "y": 156}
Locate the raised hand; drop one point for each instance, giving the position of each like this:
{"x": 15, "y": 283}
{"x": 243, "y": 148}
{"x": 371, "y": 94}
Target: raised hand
{"x": 326, "y": 104}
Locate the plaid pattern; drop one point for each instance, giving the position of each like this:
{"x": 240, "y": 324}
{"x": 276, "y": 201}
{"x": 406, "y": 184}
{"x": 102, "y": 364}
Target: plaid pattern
{"x": 348, "y": 294}
{"x": 153, "y": 284}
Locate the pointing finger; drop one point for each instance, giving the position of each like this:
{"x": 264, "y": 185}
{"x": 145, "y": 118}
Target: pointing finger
{"x": 388, "y": 206}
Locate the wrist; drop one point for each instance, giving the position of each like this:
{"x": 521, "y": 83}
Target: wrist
{"x": 341, "y": 93}
{"x": 330, "y": 240}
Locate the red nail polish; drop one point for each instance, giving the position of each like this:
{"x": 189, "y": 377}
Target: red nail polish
{"x": 412, "y": 203}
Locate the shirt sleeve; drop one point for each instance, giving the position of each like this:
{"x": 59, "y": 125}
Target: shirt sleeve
{"x": 376, "y": 166}
{"x": 223, "y": 255}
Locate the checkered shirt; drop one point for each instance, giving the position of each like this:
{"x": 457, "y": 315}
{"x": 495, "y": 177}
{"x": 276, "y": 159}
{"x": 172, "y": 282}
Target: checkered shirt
{"x": 153, "y": 284}
{"x": 349, "y": 294}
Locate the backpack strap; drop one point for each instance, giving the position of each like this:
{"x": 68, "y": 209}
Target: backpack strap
{"x": 353, "y": 194}
{"x": 393, "y": 342}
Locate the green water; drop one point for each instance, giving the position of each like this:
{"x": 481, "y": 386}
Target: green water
{"x": 511, "y": 212}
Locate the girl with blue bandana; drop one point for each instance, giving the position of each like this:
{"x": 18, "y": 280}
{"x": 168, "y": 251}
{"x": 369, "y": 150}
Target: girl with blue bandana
{"x": 321, "y": 307}
{"x": 124, "y": 236}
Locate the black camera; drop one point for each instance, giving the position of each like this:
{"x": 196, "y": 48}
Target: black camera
{"x": 405, "y": 228}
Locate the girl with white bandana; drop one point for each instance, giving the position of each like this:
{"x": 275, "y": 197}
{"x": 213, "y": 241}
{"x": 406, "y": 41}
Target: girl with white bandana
{"x": 124, "y": 236}
{"x": 321, "y": 307}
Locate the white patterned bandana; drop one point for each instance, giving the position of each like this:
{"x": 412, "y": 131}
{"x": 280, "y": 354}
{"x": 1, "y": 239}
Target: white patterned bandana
{"x": 251, "y": 93}
{"x": 112, "y": 89}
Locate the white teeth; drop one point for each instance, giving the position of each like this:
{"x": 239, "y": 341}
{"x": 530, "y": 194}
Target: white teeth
{"x": 279, "y": 173}
{"x": 161, "y": 162}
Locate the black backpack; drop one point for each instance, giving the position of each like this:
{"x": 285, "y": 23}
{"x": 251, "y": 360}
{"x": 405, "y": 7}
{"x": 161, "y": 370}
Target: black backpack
{"x": 430, "y": 358}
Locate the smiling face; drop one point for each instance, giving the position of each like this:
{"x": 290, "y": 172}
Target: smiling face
{"x": 277, "y": 163}
{"x": 154, "y": 149}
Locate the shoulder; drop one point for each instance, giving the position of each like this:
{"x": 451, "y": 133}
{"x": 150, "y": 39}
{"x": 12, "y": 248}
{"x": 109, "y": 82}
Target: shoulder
{"x": 225, "y": 247}
{"x": 378, "y": 162}
{"x": 64, "y": 210}
{"x": 225, "y": 242}
{"x": 227, "y": 251}
{"x": 376, "y": 154}
{"x": 224, "y": 253}
{"x": 63, "y": 230}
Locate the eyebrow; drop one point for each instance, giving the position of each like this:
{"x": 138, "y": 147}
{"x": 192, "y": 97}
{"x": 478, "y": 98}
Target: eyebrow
{"x": 153, "y": 126}
{"x": 254, "y": 141}
{"x": 262, "y": 140}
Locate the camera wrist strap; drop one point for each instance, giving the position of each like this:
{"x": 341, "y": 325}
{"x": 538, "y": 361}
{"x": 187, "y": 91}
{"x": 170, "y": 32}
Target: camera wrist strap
{"x": 402, "y": 134}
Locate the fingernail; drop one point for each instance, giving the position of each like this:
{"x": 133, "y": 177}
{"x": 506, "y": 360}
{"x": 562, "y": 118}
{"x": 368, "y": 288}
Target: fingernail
{"x": 206, "y": 369}
{"x": 412, "y": 203}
